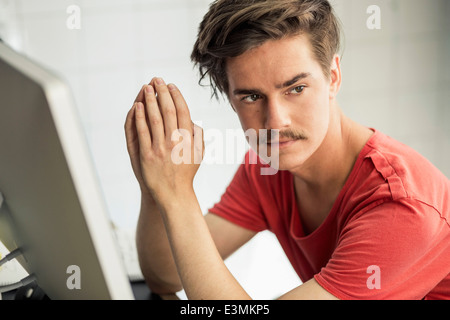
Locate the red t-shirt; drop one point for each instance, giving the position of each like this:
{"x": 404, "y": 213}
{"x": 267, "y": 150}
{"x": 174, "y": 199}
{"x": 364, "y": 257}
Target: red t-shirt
{"x": 386, "y": 237}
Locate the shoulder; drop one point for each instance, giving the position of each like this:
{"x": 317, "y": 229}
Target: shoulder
{"x": 399, "y": 172}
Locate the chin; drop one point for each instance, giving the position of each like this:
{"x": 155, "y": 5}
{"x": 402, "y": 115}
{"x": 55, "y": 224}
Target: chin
{"x": 288, "y": 160}
{"x": 289, "y": 164}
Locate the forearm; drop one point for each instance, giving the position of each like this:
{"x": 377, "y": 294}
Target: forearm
{"x": 156, "y": 163}
{"x": 200, "y": 266}
{"x": 155, "y": 255}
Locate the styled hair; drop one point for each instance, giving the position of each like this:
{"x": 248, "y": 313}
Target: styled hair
{"x": 232, "y": 27}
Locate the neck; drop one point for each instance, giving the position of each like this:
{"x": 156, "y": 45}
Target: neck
{"x": 326, "y": 171}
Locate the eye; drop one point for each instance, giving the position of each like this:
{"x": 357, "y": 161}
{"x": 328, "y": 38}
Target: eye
{"x": 251, "y": 98}
{"x": 297, "y": 90}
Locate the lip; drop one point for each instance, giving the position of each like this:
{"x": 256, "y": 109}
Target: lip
{"x": 282, "y": 144}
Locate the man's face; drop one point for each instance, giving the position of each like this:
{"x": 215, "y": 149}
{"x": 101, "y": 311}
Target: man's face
{"x": 281, "y": 86}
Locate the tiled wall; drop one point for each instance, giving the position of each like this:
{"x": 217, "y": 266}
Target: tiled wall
{"x": 395, "y": 79}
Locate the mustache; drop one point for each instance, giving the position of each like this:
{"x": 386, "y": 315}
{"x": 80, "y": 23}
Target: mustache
{"x": 273, "y": 136}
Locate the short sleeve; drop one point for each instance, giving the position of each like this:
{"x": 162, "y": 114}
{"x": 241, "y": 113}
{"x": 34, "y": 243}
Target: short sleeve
{"x": 396, "y": 250}
{"x": 240, "y": 204}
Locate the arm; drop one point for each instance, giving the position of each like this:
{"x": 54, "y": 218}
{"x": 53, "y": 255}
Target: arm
{"x": 171, "y": 186}
{"x": 201, "y": 268}
{"x": 154, "y": 252}
{"x": 198, "y": 261}
{"x": 227, "y": 236}
{"x": 310, "y": 290}
{"x": 151, "y": 239}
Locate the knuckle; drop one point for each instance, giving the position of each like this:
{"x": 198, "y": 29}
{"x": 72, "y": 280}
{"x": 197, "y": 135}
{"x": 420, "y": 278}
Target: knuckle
{"x": 172, "y": 143}
{"x": 140, "y": 116}
{"x": 147, "y": 156}
{"x": 159, "y": 150}
{"x": 162, "y": 89}
{"x": 183, "y": 112}
{"x": 155, "y": 121}
{"x": 150, "y": 98}
{"x": 171, "y": 111}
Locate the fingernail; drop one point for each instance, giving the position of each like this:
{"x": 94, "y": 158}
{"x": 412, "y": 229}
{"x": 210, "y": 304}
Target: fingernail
{"x": 149, "y": 89}
{"x": 159, "y": 81}
{"x": 171, "y": 87}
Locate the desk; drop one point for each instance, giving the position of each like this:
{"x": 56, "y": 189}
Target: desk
{"x": 139, "y": 288}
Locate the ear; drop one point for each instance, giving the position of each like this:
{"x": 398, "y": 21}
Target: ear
{"x": 335, "y": 76}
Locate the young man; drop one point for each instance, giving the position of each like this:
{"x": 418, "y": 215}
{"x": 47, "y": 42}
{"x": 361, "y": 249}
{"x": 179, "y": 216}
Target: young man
{"x": 359, "y": 215}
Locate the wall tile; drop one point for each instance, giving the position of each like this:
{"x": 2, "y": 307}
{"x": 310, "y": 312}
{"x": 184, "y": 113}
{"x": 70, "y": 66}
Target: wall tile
{"x": 48, "y": 41}
{"x": 420, "y": 17}
{"x": 418, "y": 63}
{"x": 110, "y": 39}
{"x": 367, "y": 67}
{"x": 417, "y": 113}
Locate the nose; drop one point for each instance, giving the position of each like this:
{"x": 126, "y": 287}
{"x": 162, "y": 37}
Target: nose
{"x": 276, "y": 115}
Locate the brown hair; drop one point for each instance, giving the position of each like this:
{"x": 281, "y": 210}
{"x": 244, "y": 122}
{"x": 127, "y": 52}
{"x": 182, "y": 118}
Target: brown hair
{"x": 231, "y": 27}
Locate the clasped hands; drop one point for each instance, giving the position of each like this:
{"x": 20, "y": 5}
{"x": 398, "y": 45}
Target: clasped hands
{"x": 164, "y": 145}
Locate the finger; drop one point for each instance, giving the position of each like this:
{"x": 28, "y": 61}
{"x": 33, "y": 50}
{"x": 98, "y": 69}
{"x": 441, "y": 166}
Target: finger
{"x": 132, "y": 140}
{"x": 143, "y": 133}
{"x": 167, "y": 108}
{"x": 183, "y": 114}
{"x": 154, "y": 116}
{"x": 130, "y": 128}
{"x": 129, "y": 119}
{"x": 141, "y": 96}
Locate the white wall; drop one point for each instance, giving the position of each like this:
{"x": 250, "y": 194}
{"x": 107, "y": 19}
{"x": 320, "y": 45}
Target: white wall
{"x": 395, "y": 79}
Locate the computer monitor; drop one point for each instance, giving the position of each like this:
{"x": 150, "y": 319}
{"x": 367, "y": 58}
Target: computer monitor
{"x": 53, "y": 208}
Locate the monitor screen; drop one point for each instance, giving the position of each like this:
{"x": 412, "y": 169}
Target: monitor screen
{"x": 52, "y": 209}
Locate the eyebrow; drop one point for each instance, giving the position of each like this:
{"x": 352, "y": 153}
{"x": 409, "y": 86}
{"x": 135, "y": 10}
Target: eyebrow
{"x": 298, "y": 77}
{"x": 286, "y": 84}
